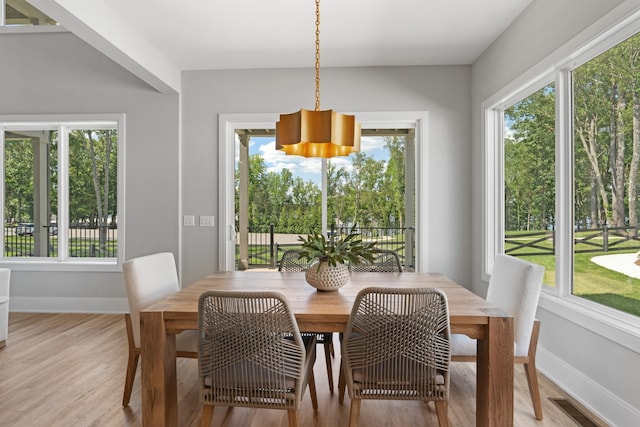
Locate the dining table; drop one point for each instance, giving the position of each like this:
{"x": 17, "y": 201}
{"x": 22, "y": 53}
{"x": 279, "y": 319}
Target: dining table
{"x": 318, "y": 311}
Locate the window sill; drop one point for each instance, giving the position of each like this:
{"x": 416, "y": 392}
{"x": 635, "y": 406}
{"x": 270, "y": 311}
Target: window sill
{"x": 619, "y": 327}
{"x": 86, "y": 264}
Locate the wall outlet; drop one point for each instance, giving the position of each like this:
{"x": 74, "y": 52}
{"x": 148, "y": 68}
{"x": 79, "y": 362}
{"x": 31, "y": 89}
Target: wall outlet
{"x": 206, "y": 221}
{"x": 189, "y": 220}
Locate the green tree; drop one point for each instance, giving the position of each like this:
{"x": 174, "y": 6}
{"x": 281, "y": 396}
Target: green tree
{"x": 530, "y": 162}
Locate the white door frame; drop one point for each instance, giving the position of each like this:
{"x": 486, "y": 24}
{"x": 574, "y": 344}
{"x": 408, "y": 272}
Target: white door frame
{"x": 228, "y": 123}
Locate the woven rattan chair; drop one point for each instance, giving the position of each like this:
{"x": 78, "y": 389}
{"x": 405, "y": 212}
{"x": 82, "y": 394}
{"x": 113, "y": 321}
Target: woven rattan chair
{"x": 397, "y": 347}
{"x": 251, "y": 354}
{"x": 386, "y": 261}
{"x": 291, "y": 262}
{"x": 515, "y": 287}
{"x": 149, "y": 279}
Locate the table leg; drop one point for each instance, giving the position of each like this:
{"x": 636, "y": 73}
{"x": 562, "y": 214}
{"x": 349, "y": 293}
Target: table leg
{"x": 159, "y": 387}
{"x": 494, "y": 394}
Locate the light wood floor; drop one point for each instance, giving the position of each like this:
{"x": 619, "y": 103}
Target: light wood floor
{"x": 68, "y": 370}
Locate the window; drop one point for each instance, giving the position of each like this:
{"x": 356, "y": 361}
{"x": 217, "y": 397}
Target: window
{"x": 563, "y": 173}
{"x": 21, "y": 13}
{"x": 413, "y": 123}
{"x": 280, "y": 197}
{"x": 61, "y": 190}
{"x": 529, "y": 179}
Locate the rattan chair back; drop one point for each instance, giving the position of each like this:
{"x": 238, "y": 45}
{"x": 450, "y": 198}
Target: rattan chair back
{"x": 386, "y": 261}
{"x": 250, "y": 351}
{"x": 291, "y": 263}
{"x": 397, "y": 345}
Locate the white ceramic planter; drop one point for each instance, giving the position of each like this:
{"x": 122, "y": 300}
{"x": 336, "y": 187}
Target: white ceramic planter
{"x": 327, "y": 277}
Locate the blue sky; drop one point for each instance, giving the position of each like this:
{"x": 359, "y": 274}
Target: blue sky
{"x": 308, "y": 168}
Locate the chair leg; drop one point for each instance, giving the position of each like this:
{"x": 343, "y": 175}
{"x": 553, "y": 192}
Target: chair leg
{"x": 532, "y": 380}
{"x": 342, "y": 383}
{"x": 531, "y": 372}
{"x": 442, "y": 407}
{"x": 312, "y": 392}
{"x": 132, "y": 365}
{"x": 354, "y": 415}
{"x": 327, "y": 358}
{"x": 293, "y": 418}
{"x": 207, "y": 415}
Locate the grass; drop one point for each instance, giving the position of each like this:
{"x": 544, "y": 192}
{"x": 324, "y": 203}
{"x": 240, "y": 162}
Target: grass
{"x": 596, "y": 283}
{"x": 23, "y": 246}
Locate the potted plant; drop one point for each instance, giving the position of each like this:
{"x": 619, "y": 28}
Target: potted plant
{"x": 329, "y": 258}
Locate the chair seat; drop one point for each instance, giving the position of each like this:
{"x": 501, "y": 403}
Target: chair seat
{"x": 462, "y": 345}
{"x": 381, "y": 379}
{"x": 251, "y": 375}
{"x": 386, "y": 375}
{"x": 187, "y": 341}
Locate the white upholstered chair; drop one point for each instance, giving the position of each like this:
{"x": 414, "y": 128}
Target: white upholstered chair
{"x": 514, "y": 287}
{"x": 5, "y": 275}
{"x": 149, "y": 279}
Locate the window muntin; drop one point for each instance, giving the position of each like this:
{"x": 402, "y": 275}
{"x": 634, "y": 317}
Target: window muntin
{"x": 61, "y": 191}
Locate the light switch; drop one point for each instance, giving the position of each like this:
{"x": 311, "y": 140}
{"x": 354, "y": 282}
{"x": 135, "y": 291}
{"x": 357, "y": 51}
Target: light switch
{"x": 206, "y": 221}
{"x": 189, "y": 221}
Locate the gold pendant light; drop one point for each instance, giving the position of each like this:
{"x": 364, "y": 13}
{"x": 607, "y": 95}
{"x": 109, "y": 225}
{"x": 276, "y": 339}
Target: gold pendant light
{"x": 318, "y": 133}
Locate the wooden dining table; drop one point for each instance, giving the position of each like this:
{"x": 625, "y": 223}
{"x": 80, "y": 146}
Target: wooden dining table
{"x": 317, "y": 311}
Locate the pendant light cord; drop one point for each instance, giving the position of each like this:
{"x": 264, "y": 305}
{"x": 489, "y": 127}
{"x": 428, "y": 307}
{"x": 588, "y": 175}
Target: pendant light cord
{"x": 317, "y": 55}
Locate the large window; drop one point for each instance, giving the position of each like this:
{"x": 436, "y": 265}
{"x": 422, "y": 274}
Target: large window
{"x": 60, "y": 190}
{"x": 564, "y": 150}
{"x": 279, "y": 197}
{"x": 396, "y": 141}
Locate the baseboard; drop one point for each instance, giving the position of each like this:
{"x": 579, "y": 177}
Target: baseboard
{"x": 68, "y": 305}
{"x": 607, "y": 406}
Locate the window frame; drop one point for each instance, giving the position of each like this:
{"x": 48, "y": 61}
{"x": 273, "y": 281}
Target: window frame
{"x": 228, "y": 123}
{"x": 65, "y": 123}
{"x": 613, "y": 324}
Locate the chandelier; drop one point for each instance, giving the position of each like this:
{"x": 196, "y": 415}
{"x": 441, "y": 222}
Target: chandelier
{"x": 318, "y": 133}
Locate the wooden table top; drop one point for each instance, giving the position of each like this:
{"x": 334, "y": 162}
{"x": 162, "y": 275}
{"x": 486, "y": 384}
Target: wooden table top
{"x": 313, "y": 308}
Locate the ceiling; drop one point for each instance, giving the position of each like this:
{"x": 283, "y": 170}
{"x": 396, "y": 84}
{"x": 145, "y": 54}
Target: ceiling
{"x": 207, "y": 34}
{"x": 232, "y": 34}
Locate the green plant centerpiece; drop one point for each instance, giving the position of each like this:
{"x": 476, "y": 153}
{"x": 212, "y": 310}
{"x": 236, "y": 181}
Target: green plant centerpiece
{"x": 329, "y": 258}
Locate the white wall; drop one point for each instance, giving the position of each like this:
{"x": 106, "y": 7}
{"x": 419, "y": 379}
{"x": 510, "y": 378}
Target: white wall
{"x": 592, "y": 366}
{"x": 441, "y": 91}
{"x": 56, "y": 73}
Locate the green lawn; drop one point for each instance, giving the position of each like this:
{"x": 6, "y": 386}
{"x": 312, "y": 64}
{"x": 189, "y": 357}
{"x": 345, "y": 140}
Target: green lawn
{"x": 597, "y": 283}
